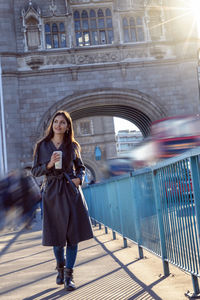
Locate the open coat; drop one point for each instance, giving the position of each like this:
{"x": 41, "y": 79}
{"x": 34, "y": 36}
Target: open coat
{"x": 65, "y": 213}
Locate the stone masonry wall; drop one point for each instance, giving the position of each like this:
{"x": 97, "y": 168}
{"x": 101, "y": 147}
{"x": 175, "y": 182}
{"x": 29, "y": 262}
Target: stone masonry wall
{"x": 173, "y": 86}
{"x": 165, "y": 71}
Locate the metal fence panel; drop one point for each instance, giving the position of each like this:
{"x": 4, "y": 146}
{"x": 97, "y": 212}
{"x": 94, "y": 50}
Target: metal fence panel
{"x": 126, "y": 208}
{"x": 148, "y": 222}
{"x": 178, "y": 213}
{"x": 158, "y": 207}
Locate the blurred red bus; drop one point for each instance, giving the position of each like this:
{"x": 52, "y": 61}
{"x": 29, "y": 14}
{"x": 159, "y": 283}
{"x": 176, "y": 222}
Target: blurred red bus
{"x": 175, "y": 135}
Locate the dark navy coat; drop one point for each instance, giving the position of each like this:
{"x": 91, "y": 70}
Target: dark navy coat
{"x": 65, "y": 213}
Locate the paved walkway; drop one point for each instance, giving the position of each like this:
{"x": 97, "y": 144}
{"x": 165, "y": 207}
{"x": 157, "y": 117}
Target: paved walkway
{"x": 104, "y": 270}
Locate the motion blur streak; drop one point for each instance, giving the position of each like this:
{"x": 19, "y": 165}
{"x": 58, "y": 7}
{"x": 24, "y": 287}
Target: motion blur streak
{"x": 19, "y": 195}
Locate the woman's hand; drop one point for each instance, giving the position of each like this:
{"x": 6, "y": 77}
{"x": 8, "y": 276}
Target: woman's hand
{"x": 54, "y": 158}
{"x": 76, "y": 181}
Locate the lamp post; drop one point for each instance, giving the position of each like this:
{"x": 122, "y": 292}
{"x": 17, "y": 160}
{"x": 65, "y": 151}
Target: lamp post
{"x": 3, "y": 151}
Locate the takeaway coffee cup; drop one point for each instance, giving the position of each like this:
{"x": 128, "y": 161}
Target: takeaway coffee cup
{"x": 58, "y": 164}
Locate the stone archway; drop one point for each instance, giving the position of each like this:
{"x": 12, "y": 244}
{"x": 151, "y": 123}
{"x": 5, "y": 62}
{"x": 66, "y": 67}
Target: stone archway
{"x": 132, "y": 105}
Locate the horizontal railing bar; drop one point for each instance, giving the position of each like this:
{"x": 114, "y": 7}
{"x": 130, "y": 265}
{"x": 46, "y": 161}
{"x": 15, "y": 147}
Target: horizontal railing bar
{"x": 170, "y": 161}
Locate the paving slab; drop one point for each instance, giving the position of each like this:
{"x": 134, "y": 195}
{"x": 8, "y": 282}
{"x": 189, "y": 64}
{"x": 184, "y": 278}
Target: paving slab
{"x": 104, "y": 270}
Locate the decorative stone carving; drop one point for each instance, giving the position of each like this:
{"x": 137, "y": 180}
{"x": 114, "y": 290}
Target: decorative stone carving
{"x": 34, "y": 62}
{"x": 68, "y": 8}
{"x": 122, "y": 55}
{"x": 135, "y": 53}
{"x": 60, "y": 59}
{"x": 80, "y": 59}
{"x": 98, "y": 58}
{"x": 32, "y": 28}
{"x": 123, "y": 70}
{"x": 79, "y": 1}
{"x": 74, "y": 73}
{"x": 157, "y": 52}
{"x": 52, "y": 7}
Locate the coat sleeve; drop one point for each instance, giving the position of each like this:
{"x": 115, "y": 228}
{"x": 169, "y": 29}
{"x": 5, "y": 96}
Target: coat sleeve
{"x": 39, "y": 169}
{"x": 79, "y": 166}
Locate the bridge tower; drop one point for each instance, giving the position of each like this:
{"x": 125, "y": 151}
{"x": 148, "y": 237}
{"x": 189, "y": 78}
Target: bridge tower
{"x": 131, "y": 59}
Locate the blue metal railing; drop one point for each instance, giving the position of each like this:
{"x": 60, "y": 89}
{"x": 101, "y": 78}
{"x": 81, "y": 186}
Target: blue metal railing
{"x": 158, "y": 208}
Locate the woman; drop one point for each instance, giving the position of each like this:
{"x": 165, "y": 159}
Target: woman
{"x": 65, "y": 215}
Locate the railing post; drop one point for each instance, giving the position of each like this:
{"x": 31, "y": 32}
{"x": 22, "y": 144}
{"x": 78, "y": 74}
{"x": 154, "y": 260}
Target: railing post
{"x": 137, "y": 220}
{"x": 195, "y": 284}
{"x": 125, "y": 242}
{"x": 93, "y": 221}
{"x": 160, "y": 224}
{"x": 114, "y": 235}
{"x": 194, "y": 164}
{"x": 106, "y": 229}
{"x": 120, "y": 217}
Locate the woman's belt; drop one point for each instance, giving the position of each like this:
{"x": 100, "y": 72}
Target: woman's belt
{"x": 61, "y": 176}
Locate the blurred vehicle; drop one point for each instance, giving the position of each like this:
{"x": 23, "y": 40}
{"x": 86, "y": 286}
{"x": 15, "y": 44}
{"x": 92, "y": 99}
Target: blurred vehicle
{"x": 144, "y": 154}
{"x": 117, "y": 166}
{"x": 175, "y": 135}
{"x": 169, "y": 137}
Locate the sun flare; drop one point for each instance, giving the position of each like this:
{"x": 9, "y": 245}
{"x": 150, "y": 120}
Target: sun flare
{"x": 194, "y": 7}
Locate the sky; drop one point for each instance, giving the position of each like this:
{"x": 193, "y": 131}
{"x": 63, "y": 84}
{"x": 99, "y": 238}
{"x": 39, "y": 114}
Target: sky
{"x": 121, "y": 124}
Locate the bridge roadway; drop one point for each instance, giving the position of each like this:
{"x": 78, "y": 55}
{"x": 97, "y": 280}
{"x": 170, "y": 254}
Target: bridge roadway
{"x": 104, "y": 270}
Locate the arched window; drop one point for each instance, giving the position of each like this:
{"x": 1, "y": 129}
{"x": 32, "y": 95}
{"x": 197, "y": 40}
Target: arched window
{"x": 93, "y": 27}
{"x": 55, "y": 35}
{"x": 109, "y": 26}
{"x": 133, "y": 29}
{"x": 108, "y": 12}
{"x": 126, "y": 30}
{"x": 76, "y": 14}
{"x": 100, "y": 13}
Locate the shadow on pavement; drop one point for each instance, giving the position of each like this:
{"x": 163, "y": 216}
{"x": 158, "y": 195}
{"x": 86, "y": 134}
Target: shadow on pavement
{"x": 118, "y": 283}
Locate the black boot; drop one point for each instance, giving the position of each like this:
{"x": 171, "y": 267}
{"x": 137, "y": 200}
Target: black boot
{"x": 68, "y": 282}
{"x": 60, "y": 276}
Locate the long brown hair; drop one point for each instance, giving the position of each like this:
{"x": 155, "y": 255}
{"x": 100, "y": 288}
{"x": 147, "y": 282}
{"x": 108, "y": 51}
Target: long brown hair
{"x": 68, "y": 139}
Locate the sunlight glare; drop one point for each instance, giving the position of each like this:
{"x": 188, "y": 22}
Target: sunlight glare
{"x": 195, "y": 8}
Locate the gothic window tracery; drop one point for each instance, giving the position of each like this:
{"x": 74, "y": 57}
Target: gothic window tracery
{"x": 133, "y": 29}
{"x": 31, "y": 22}
{"x": 32, "y": 34}
{"x": 55, "y": 35}
{"x": 93, "y": 27}
{"x": 155, "y": 24}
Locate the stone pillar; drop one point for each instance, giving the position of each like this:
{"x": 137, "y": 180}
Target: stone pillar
{"x": 7, "y": 26}
{"x": 10, "y": 83}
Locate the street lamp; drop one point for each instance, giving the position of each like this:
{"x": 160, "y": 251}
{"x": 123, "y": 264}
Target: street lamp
{"x": 3, "y": 151}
